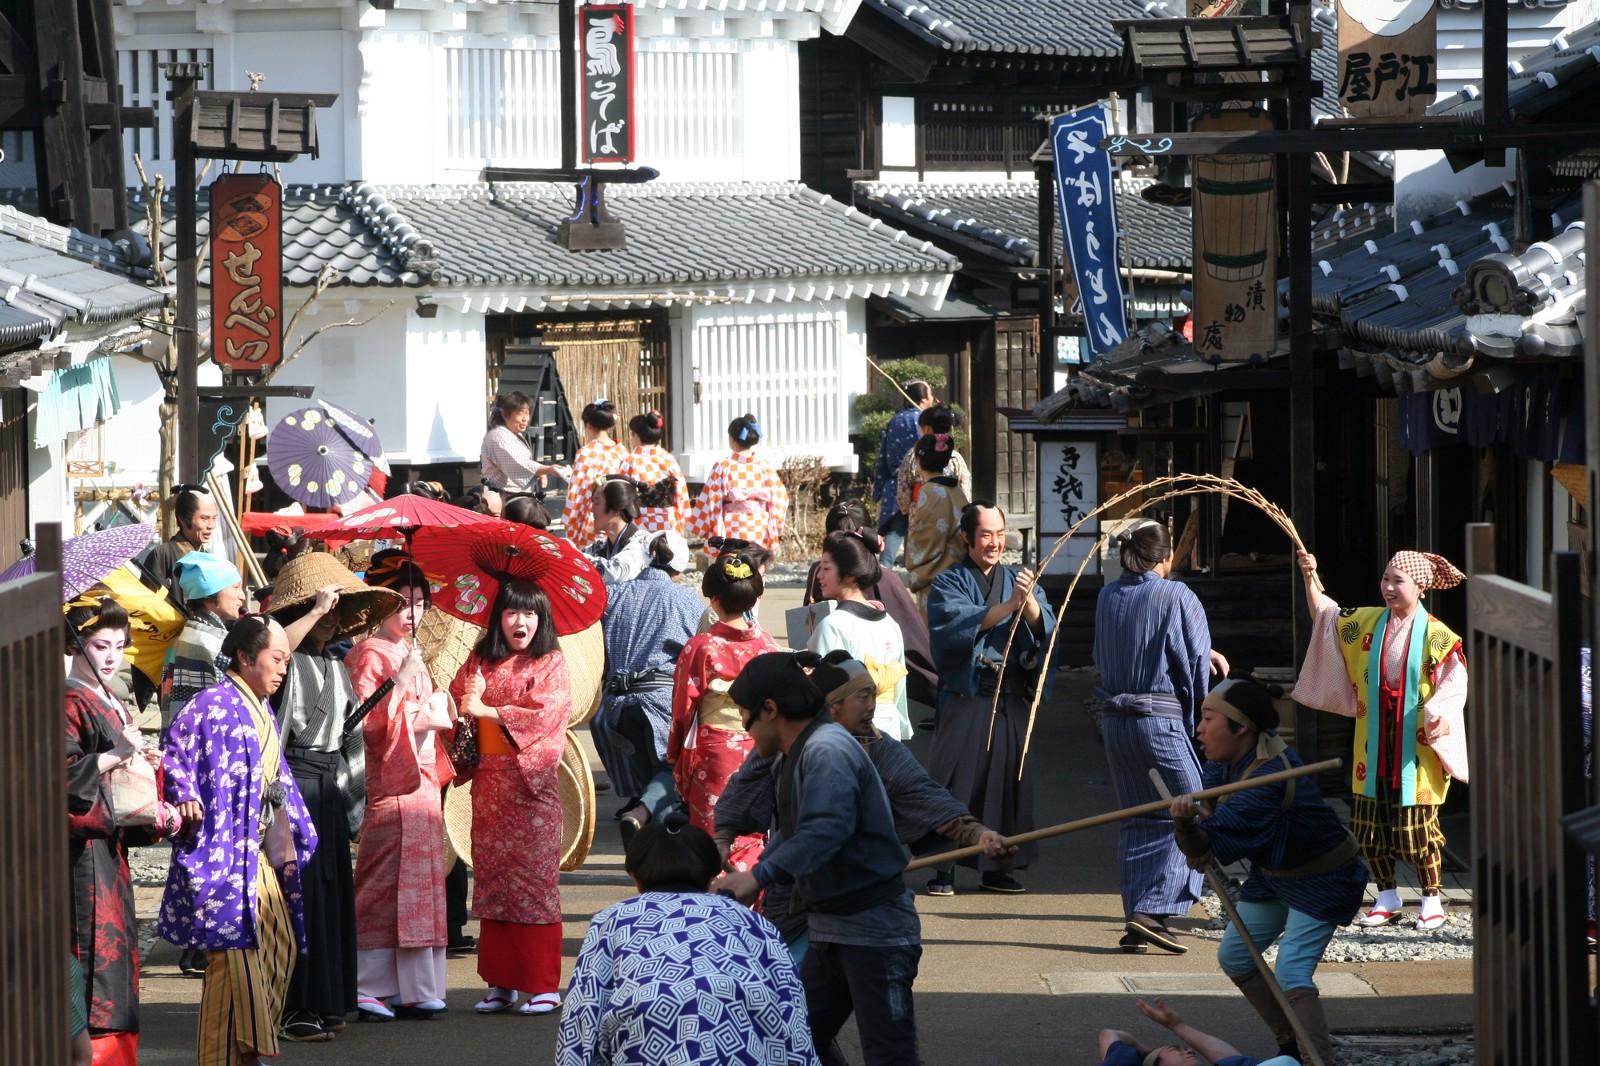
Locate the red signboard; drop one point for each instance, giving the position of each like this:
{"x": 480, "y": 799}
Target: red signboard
{"x": 606, "y": 35}
{"x": 246, "y": 272}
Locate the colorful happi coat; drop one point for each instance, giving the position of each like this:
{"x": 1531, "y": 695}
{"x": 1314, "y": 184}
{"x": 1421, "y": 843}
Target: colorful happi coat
{"x": 213, "y": 756}
{"x": 744, "y": 498}
{"x": 516, "y": 798}
{"x": 688, "y": 978}
{"x": 400, "y": 870}
{"x": 1347, "y": 665}
{"x": 595, "y": 461}
{"x": 707, "y": 742}
{"x": 663, "y": 492}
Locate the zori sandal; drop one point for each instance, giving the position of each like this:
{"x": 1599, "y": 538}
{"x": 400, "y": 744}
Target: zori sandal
{"x": 1376, "y": 917}
{"x": 497, "y": 1001}
{"x": 543, "y": 1003}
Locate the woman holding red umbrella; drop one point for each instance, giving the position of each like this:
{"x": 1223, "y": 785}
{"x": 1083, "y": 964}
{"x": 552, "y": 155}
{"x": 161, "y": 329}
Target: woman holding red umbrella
{"x": 515, "y": 685}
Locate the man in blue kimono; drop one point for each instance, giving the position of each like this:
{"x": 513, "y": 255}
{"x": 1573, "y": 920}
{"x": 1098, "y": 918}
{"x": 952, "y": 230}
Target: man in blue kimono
{"x": 971, "y": 609}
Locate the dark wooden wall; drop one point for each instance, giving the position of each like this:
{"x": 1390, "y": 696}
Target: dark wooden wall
{"x": 838, "y": 117}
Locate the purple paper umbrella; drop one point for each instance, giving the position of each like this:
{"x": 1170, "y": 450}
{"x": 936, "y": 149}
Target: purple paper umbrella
{"x": 317, "y": 459}
{"x": 86, "y": 560}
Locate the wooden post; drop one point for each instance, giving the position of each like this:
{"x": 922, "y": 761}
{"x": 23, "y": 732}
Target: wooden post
{"x": 183, "y": 77}
{"x": 567, "y": 46}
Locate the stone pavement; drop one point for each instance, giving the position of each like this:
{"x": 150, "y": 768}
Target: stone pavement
{"x": 1019, "y": 979}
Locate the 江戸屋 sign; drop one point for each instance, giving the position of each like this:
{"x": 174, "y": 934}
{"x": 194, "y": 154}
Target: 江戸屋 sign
{"x": 606, "y": 39}
{"x": 1388, "y": 62}
{"x": 246, "y": 272}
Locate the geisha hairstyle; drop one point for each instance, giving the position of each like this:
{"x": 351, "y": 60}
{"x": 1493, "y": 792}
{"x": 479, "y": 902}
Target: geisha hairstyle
{"x": 671, "y": 853}
{"x": 649, "y": 427}
{"x": 734, "y": 580}
{"x": 940, "y": 418}
{"x": 518, "y": 596}
{"x": 1144, "y": 545}
{"x": 744, "y": 431}
{"x": 934, "y": 451}
{"x": 84, "y": 620}
{"x": 854, "y": 557}
{"x": 602, "y": 414}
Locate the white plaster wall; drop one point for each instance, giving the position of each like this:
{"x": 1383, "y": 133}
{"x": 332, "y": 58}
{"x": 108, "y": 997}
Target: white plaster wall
{"x": 772, "y": 114}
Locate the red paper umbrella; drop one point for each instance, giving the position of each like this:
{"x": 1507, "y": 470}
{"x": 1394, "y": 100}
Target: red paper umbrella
{"x": 469, "y": 562}
{"x": 404, "y": 515}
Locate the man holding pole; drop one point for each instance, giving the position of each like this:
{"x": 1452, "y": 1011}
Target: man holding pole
{"x": 1306, "y": 875}
{"x": 977, "y": 746}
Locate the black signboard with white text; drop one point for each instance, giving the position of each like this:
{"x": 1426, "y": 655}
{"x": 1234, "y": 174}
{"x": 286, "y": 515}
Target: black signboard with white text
{"x": 606, "y": 38}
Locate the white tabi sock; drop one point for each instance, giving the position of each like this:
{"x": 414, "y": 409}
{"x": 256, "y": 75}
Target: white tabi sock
{"x": 1432, "y": 907}
{"x": 1388, "y": 900}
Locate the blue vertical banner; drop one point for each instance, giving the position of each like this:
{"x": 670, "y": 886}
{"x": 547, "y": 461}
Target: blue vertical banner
{"x": 1086, "y": 195}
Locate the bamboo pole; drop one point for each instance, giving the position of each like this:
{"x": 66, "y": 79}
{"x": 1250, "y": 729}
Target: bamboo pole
{"x": 1153, "y": 807}
{"x": 891, "y": 381}
{"x": 1214, "y": 879}
{"x": 225, "y": 509}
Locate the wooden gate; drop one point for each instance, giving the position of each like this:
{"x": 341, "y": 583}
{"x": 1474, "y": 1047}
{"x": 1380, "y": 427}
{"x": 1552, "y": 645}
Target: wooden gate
{"x": 1531, "y": 970}
{"x": 34, "y": 890}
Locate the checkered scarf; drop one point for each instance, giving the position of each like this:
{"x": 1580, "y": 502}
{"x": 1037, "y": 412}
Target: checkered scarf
{"x": 1427, "y": 570}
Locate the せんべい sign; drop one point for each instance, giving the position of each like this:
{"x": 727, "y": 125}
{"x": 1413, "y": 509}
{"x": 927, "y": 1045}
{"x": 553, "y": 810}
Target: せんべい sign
{"x": 246, "y": 272}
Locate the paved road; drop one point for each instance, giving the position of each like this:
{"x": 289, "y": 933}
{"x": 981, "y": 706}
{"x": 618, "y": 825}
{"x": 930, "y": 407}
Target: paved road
{"x": 994, "y": 967}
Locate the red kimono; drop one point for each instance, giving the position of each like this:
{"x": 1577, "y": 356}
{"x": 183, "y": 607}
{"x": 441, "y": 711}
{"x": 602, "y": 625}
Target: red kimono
{"x": 516, "y": 819}
{"x": 400, "y": 870}
{"x": 707, "y": 742}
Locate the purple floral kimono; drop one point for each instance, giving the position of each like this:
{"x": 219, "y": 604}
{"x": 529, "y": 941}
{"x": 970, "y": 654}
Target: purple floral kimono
{"x": 213, "y": 755}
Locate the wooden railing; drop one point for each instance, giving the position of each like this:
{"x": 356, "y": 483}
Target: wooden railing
{"x": 35, "y": 896}
{"x": 1524, "y": 730}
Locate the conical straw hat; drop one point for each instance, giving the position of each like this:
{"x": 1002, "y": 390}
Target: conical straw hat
{"x": 586, "y": 668}
{"x": 361, "y": 607}
{"x": 458, "y": 819}
{"x": 577, "y": 804}
{"x": 445, "y": 642}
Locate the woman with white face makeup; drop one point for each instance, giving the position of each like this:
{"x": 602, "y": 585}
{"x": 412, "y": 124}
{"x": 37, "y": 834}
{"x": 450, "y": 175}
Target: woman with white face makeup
{"x": 101, "y": 737}
{"x": 515, "y": 685}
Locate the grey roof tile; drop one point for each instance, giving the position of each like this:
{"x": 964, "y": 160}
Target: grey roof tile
{"x": 506, "y": 234}
{"x": 1001, "y": 220}
{"x": 1550, "y": 77}
{"x": 63, "y": 274}
{"x": 1080, "y": 28}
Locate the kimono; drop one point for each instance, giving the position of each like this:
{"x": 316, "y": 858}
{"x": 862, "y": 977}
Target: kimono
{"x": 707, "y": 742}
{"x": 330, "y": 770}
{"x": 234, "y": 884}
{"x": 595, "y": 461}
{"x": 191, "y": 665}
{"x": 105, "y": 930}
{"x": 743, "y": 497}
{"x": 687, "y": 971}
{"x": 516, "y": 818}
{"x": 622, "y": 559}
{"x": 922, "y": 678}
{"x": 871, "y": 637}
{"x": 933, "y": 537}
{"x": 160, "y": 564}
{"x": 663, "y": 492}
{"x": 898, "y": 439}
{"x": 648, "y": 623}
{"x": 507, "y": 462}
{"x": 400, "y": 870}
{"x": 980, "y": 771}
{"x": 1153, "y": 649}
{"x": 908, "y": 486}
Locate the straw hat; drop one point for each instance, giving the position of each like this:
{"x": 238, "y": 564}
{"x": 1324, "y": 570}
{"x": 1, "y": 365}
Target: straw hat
{"x": 577, "y": 804}
{"x": 577, "y": 810}
{"x": 445, "y": 642}
{"x": 361, "y": 607}
{"x": 585, "y": 653}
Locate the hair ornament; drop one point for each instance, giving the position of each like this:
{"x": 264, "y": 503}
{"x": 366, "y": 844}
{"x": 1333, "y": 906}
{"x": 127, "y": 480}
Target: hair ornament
{"x": 736, "y": 569}
{"x": 656, "y": 421}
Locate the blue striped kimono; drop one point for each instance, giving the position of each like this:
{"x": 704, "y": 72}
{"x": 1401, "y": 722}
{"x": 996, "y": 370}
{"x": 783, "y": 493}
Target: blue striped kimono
{"x": 1153, "y": 650}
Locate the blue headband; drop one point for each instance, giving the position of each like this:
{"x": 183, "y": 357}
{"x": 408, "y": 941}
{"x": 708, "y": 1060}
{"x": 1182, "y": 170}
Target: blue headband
{"x": 201, "y": 574}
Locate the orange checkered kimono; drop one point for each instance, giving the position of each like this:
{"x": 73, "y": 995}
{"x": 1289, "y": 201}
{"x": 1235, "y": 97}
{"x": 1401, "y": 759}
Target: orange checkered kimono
{"x": 663, "y": 494}
{"x": 743, "y": 498}
{"x": 597, "y": 460}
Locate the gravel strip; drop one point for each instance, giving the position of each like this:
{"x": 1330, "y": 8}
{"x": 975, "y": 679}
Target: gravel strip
{"x": 1396, "y": 942}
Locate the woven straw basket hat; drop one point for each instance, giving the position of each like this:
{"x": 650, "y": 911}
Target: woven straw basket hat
{"x": 362, "y": 608}
{"x": 446, "y": 641}
{"x": 577, "y": 810}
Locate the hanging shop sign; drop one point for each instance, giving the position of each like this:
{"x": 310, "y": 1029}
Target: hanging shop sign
{"x": 1388, "y": 57}
{"x": 606, "y": 31}
{"x": 1086, "y": 194}
{"x": 246, "y": 272}
{"x": 1235, "y": 246}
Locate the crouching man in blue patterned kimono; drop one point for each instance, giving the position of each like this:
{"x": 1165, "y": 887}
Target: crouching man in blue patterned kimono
{"x": 1306, "y": 874}
{"x": 840, "y": 851}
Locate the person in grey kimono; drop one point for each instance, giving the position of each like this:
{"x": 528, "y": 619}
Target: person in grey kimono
{"x": 320, "y": 602}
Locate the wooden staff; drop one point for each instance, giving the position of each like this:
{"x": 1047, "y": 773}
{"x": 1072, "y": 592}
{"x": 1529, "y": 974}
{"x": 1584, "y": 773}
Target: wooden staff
{"x": 225, "y": 509}
{"x": 1153, "y": 807}
{"x": 1214, "y": 879}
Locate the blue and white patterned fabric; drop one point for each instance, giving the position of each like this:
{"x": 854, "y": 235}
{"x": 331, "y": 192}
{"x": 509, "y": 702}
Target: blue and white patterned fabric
{"x": 898, "y": 439}
{"x": 684, "y": 979}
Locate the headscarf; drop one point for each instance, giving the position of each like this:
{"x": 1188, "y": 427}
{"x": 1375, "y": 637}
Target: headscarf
{"x": 201, "y": 574}
{"x": 1427, "y": 570}
{"x": 846, "y": 676}
{"x": 1268, "y": 743}
{"x": 681, "y": 559}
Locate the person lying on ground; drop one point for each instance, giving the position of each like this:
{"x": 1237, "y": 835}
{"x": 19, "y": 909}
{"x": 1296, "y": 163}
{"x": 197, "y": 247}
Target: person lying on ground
{"x": 1118, "y": 1048}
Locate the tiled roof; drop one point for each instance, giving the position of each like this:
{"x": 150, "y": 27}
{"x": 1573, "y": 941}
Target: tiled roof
{"x": 1001, "y": 220}
{"x": 1030, "y": 27}
{"x": 1550, "y": 77}
{"x": 61, "y": 275}
{"x": 1402, "y": 301}
{"x": 494, "y": 235}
